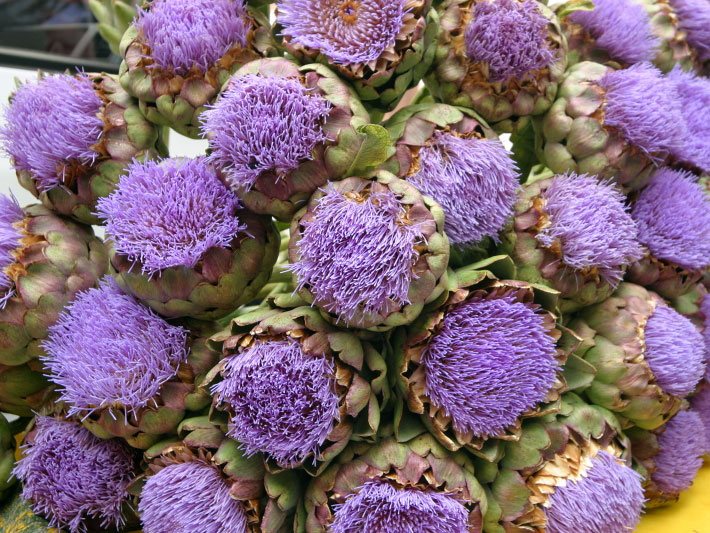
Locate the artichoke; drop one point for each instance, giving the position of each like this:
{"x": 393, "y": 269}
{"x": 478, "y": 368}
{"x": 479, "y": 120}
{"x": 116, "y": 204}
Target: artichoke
{"x": 7, "y": 458}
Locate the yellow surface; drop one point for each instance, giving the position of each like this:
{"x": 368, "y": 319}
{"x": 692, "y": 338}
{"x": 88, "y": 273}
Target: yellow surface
{"x": 691, "y": 514}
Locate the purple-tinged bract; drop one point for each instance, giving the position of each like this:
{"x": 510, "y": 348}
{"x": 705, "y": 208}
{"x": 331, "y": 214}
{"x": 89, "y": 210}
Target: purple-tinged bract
{"x": 52, "y": 124}
{"x": 694, "y": 20}
{"x": 187, "y": 34}
{"x": 379, "y": 506}
{"x": 673, "y": 216}
{"x": 589, "y": 222}
{"x": 700, "y": 404}
{"x": 282, "y": 400}
{"x": 489, "y": 362}
{"x": 607, "y": 497}
{"x": 10, "y": 239}
{"x": 510, "y": 37}
{"x": 190, "y": 497}
{"x": 681, "y": 447}
{"x": 474, "y": 180}
{"x": 170, "y": 213}
{"x": 108, "y": 351}
{"x": 71, "y": 476}
{"x": 694, "y": 94}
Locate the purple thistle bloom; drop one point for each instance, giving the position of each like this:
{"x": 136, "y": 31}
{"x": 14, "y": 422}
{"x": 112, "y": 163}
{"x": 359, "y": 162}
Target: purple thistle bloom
{"x": 357, "y": 257}
{"x": 107, "y": 350}
{"x": 70, "y": 476}
{"x": 490, "y": 362}
{"x": 673, "y": 216}
{"x": 694, "y": 20}
{"x": 186, "y": 34}
{"x": 705, "y": 310}
{"x": 170, "y": 213}
{"x": 347, "y": 33}
{"x": 282, "y": 400}
{"x": 264, "y": 125}
{"x": 51, "y": 124}
{"x": 700, "y": 404}
{"x": 187, "y": 497}
{"x": 379, "y": 506}
{"x": 621, "y": 27}
{"x": 474, "y": 180}
{"x": 510, "y": 37}
{"x": 681, "y": 447}
{"x": 10, "y": 239}
{"x": 694, "y": 94}
{"x": 644, "y": 107}
{"x": 591, "y": 223}
{"x": 608, "y": 497}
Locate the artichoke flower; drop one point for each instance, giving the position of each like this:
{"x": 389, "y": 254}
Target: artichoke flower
{"x": 694, "y": 94}
{"x": 177, "y": 54}
{"x": 645, "y": 356}
{"x": 181, "y": 242}
{"x": 369, "y": 253}
{"x": 700, "y": 404}
{"x": 7, "y": 458}
{"x": 70, "y": 137}
{"x": 383, "y": 47}
{"x": 501, "y": 58}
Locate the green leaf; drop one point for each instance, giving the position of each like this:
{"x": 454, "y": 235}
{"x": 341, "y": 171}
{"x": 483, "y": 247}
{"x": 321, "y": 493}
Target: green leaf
{"x": 16, "y": 516}
{"x": 568, "y": 8}
{"x": 361, "y": 151}
{"x": 523, "y": 139}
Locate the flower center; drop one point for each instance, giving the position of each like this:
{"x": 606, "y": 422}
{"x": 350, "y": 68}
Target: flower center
{"x": 349, "y": 11}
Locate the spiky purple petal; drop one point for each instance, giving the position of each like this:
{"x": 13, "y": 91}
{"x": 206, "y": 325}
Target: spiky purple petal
{"x": 590, "y": 222}
{"x": 681, "y": 447}
{"x": 510, "y": 37}
{"x": 705, "y": 311}
{"x": 694, "y": 20}
{"x": 474, "y": 180}
{"x": 108, "y": 350}
{"x": 489, "y": 362}
{"x": 700, "y": 404}
{"x": 183, "y": 34}
{"x": 50, "y": 124}
{"x": 379, "y": 506}
{"x": 694, "y": 94}
{"x": 282, "y": 400}
{"x": 190, "y": 497}
{"x": 71, "y": 476}
{"x": 673, "y": 216}
{"x": 349, "y": 32}
{"x": 264, "y": 125}
{"x": 170, "y": 213}
{"x": 10, "y": 236}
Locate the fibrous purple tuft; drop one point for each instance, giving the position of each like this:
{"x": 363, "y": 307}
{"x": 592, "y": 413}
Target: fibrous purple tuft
{"x": 620, "y": 27}
{"x": 107, "y": 350}
{"x": 673, "y": 216}
{"x": 474, "y": 180}
{"x": 187, "y": 34}
{"x": 52, "y": 124}
{"x": 694, "y": 94}
{"x": 705, "y": 310}
{"x": 379, "y": 506}
{"x": 510, "y": 37}
{"x": 490, "y": 362}
{"x": 590, "y": 223}
{"x": 10, "y": 239}
{"x": 70, "y": 476}
{"x": 681, "y": 447}
{"x": 357, "y": 257}
{"x": 282, "y": 401}
{"x": 190, "y": 497}
{"x": 700, "y": 404}
{"x": 264, "y": 125}
{"x": 608, "y": 497}
{"x": 170, "y": 213}
{"x": 694, "y": 20}
{"x": 346, "y": 32}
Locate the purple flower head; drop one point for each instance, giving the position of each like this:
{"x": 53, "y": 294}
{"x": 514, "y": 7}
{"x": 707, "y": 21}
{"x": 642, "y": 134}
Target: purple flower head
{"x": 474, "y": 180}
{"x": 620, "y": 27}
{"x": 10, "y": 240}
{"x": 700, "y": 404}
{"x": 190, "y": 497}
{"x": 694, "y": 20}
{"x": 346, "y": 32}
{"x": 589, "y": 221}
{"x": 170, "y": 213}
{"x": 681, "y": 446}
{"x": 644, "y": 107}
{"x": 694, "y": 94}
{"x": 379, "y": 506}
{"x": 108, "y": 350}
{"x": 282, "y": 400}
{"x": 51, "y": 124}
{"x": 357, "y": 257}
{"x": 705, "y": 310}
{"x": 673, "y": 217}
{"x": 607, "y": 497}
{"x": 510, "y": 37}
{"x": 264, "y": 125}
{"x": 183, "y": 34}
{"x": 490, "y": 362}
{"x": 70, "y": 476}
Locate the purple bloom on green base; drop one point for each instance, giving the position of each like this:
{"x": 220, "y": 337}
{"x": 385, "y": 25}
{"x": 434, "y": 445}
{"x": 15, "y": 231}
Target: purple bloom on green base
{"x": 700, "y": 404}
{"x": 694, "y": 20}
{"x": 50, "y": 124}
{"x": 108, "y": 350}
{"x": 10, "y": 237}
{"x": 190, "y": 497}
{"x": 681, "y": 446}
{"x": 694, "y": 94}
{"x": 170, "y": 213}
{"x": 71, "y": 476}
